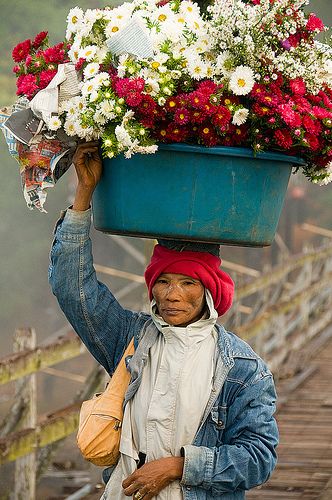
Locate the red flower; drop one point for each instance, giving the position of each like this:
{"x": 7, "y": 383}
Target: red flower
{"x": 181, "y": 116}
{"x": 172, "y": 104}
{"x": 258, "y": 91}
{"x": 207, "y": 87}
{"x": 130, "y": 89}
{"x": 294, "y": 40}
{"x": 298, "y": 86}
{"x": 176, "y": 133}
{"x": 21, "y": 51}
{"x": 239, "y": 134}
{"x": 208, "y": 135}
{"x": 221, "y": 117}
{"x": 54, "y": 54}
{"x": 311, "y": 141}
{"x": 260, "y": 110}
{"x": 27, "y": 85}
{"x": 79, "y": 64}
{"x": 148, "y": 105}
{"x": 39, "y": 39}
{"x": 17, "y": 70}
{"x": 45, "y": 77}
{"x": 314, "y": 23}
{"x": 283, "y": 138}
{"x": 198, "y": 99}
{"x": 198, "y": 116}
{"x": 312, "y": 126}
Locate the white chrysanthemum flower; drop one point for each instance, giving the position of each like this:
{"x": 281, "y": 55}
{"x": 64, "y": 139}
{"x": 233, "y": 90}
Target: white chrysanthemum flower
{"x": 75, "y": 49}
{"x": 101, "y": 54}
{"x": 324, "y": 175}
{"x": 242, "y": 80}
{"x": 91, "y": 70}
{"x": 99, "y": 118}
{"x": 70, "y": 128}
{"x": 189, "y": 9}
{"x": 240, "y": 116}
{"x": 88, "y": 52}
{"x": 74, "y": 20}
{"x": 92, "y": 15}
{"x": 93, "y": 96}
{"x": 88, "y": 87}
{"x": 223, "y": 62}
{"x": 54, "y": 123}
{"x": 106, "y": 108}
{"x": 196, "y": 67}
{"x": 123, "y": 137}
{"x": 102, "y": 79}
{"x": 114, "y": 25}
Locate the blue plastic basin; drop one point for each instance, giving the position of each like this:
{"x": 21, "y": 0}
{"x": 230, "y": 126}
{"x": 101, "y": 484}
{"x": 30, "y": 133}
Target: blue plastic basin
{"x": 223, "y": 195}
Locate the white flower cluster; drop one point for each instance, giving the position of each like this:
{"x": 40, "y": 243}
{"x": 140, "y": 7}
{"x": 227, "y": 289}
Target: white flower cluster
{"x": 180, "y": 43}
{"x": 257, "y": 37}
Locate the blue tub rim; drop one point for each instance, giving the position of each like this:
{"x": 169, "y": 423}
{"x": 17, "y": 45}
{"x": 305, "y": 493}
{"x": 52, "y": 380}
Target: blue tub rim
{"x": 232, "y": 151}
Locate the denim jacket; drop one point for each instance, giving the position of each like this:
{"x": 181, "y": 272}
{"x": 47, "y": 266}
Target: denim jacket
{"x": 234, "y": 447}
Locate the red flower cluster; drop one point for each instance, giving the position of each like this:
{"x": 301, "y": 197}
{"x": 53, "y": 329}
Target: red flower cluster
{"x": 203, "y": 115}
{"x": 37, "y": 63}
{"x": 300, "y": 123}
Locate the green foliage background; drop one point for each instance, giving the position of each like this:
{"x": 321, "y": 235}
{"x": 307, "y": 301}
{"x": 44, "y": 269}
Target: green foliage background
{"x": 25, "y": 237}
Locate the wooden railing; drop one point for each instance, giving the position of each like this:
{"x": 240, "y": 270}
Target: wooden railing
{"x": 277, "y": 312}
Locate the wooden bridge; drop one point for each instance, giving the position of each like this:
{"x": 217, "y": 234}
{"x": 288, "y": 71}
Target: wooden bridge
{"x": 285, "y": 313}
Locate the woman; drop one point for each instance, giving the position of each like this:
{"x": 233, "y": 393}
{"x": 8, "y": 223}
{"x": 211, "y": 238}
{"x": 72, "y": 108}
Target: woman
{"x": 198, "y": 420}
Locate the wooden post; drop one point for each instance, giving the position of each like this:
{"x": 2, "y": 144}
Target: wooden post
{"x": 25, "y": 467}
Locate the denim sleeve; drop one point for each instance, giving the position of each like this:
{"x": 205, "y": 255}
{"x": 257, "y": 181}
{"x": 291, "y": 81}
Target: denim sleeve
{"x": 94, "y": 313}
{"x": 252, "y": 433}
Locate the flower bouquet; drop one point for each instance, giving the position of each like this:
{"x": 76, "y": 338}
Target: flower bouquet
{"x": 243, "y": 74}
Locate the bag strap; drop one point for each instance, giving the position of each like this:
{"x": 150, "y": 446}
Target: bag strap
{"x": 121, "y": 376}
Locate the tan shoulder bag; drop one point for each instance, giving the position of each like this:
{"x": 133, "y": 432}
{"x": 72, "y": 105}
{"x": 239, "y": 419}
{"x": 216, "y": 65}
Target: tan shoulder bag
{"x": 100, "y": 422}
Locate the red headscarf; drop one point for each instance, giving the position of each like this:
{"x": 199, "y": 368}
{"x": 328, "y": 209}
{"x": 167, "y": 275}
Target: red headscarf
{"x": 199, "y": 265}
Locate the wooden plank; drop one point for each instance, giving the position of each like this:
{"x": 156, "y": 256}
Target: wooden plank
{"x": 19, "y": 365}
{"x": 57, "y": 426}
{"x": 26, "y": 388}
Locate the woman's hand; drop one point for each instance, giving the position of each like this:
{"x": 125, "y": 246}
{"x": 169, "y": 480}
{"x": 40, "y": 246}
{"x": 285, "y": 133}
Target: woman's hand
{"x": 88, "y": 167}
{"x": 153, "y": 477}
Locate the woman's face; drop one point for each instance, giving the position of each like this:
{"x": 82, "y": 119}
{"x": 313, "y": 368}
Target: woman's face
{"x": 180, "y": 299}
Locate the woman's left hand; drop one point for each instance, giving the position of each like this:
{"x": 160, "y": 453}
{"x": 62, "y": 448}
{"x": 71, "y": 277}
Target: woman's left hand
{"x": 152, "y": 477}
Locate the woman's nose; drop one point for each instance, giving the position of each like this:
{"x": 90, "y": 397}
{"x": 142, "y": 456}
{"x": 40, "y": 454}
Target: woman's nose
{"x": 172, "y": 292}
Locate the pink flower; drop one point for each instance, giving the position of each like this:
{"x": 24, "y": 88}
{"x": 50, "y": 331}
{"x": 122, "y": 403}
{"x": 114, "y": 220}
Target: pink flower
{"x": 321, "y": 113}
{"x": 314, "y": 23}
{"x": 21, "y": 51}
{"x": 28, "y": 60}
{"x": 289, "y": 116}
{"x": 39, "y": 39}
{"x": 45, "y": 77}
{"x": 298, "y": 86}
{"x": 27, "y": 85}
{"x": 16, "y": 69}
